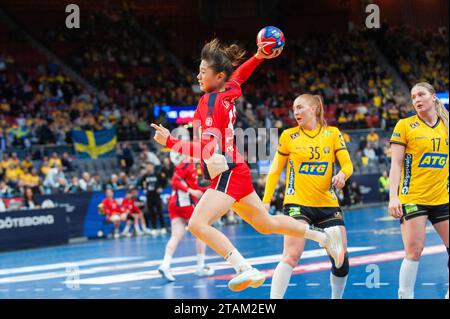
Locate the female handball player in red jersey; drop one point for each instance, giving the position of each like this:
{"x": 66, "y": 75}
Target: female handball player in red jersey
{"x": 231, "y": 182}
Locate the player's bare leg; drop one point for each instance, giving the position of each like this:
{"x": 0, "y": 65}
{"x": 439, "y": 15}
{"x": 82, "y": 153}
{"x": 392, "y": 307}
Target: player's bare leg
{"x": 178, "y": 231}
{"x": 413, "y": 235}
{"x": 252, "y": 210}
{"x": 211, "y": 207}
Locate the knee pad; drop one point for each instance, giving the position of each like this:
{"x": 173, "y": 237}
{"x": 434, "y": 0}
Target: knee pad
{"x": 343, "y": 271}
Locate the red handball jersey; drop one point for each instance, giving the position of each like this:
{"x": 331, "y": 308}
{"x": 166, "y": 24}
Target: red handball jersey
{"x": 130, "y": 207}
{"x": 213, "y": 123}
{"x": 185, "y": 177}
{"x": 111, "y": 207}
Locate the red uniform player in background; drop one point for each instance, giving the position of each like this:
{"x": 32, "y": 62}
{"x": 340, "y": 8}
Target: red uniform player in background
{"x": 185, "y": 195}
{"x": 113, "y": 211}
{"x": 134, "y": 215}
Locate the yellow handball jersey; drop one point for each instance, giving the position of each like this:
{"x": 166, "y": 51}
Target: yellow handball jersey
{"x": 424, "y": 178}
{"x": 310, "y": 157}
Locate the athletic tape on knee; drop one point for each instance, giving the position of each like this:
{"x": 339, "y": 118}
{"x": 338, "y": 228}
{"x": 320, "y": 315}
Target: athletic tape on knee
{"x": 343, "y": 271}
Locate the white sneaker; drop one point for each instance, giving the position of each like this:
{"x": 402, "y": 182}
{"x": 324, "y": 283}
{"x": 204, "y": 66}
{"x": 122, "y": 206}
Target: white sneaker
{"x": 204, "y": 272}
{"x": 116, "y": 236}
{"x": 147, "y": 231}
{"x": 250, "y": 278}
{"x": 154, "y": 232}
{"x": 334, "y": 245}
{"x": 127, "y": 234}
{"x": 163, "y": 231}
{"x": 139, "y": 233}
{"x": 166, "y": 273}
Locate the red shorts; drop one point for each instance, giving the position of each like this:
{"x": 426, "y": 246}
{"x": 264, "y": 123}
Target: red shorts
{"x": 175, "y": 211}
{"x": 236, "y": 182}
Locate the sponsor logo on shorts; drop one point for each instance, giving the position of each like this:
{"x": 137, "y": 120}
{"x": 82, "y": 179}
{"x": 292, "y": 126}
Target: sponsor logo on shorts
{"x": 338, "y": 215}
{"x": 314, "y": 168}
{"x": 433, "y": 160}
{"x": 411, "y": 208}
{"x": 294, "y": 211}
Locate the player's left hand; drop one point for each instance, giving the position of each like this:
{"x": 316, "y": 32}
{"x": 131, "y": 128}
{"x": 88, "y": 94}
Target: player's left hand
{"x": 161, "y": 134}
{"x": 338, "y": 181}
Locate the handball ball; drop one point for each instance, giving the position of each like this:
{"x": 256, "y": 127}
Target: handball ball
{"x": 270, "y": 39}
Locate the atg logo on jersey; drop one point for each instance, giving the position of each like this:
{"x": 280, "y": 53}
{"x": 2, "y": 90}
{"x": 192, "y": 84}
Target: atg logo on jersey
{"x": 433, "y": 160}
{"x": 314, "y": 168}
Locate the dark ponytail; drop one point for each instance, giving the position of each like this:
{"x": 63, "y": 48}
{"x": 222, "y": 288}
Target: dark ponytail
{"x": 222, "y": 58}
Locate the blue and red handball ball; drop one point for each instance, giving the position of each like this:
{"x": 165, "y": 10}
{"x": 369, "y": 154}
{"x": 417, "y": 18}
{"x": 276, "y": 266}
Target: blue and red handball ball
{"x": 270, "y": 39}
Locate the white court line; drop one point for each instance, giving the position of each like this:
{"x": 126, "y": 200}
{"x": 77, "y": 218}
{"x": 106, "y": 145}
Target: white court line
{"x": 21, "y": 289}
{"x": 313, "y": 284}
{"x": 429, "y": 284}
{"x": 95, "y": 270}
{"x": 372, "y": 284}
{"x": 199, "y": 286}
{"x": 292, "y": 285}
{"x": 155, "y": 287}
{"x": 57, "y": 289}
{"x": 88, "y": 262}
{"x": 184, "y": 270}
{"x": 221, "y": 286}
{"x": 135, "y": 288}
{"x": 115, "y": 288}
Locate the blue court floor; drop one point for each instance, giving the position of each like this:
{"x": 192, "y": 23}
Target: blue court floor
{"x": 126, "y": 268}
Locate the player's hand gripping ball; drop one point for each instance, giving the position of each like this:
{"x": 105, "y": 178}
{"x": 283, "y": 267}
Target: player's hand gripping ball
{"x": 270, "y": 39}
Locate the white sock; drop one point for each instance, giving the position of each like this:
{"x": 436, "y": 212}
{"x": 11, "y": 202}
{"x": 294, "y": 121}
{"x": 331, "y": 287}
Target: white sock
{"x": 126, "y": 229}
{"x": 337, "y": 286}
{"x": 238, "y": 262}
{"x": 137, "y": 228}
{"x": 318, "y": 236}
{"x": 280, "y": 280}
{"x": 200, "y": 261}
{"x": 446, "y": 295}
{"x": 166, "y": 261}
{"x": 407, "y": 279}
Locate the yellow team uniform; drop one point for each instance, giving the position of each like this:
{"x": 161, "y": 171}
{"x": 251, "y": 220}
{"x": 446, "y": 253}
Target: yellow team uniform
{"x": 54, "y": 162}
{"x": 424, "y": 177}
{"x": 310, "y": 158}
{"x": 373, "y": 137}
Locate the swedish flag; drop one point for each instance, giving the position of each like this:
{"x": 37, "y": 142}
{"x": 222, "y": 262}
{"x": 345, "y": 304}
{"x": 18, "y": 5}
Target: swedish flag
{"x": 94, "y": 144}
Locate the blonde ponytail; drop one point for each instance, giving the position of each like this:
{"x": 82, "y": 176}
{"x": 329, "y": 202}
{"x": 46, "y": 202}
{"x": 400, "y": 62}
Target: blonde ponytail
{"x": 320, "y": 111}
{"x": 441, "y": 111}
